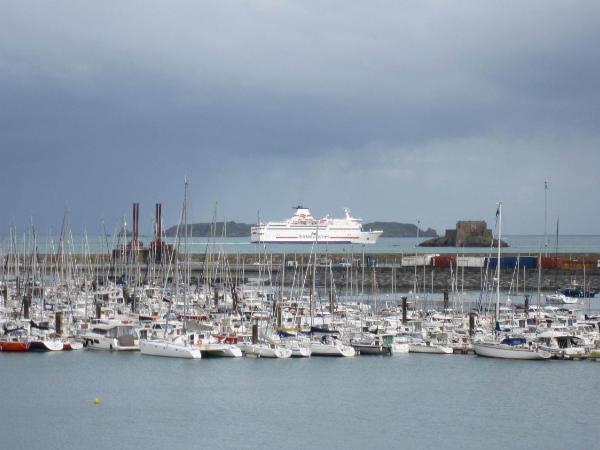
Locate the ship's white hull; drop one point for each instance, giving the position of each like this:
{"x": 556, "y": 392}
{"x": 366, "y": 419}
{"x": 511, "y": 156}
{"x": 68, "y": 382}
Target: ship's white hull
{"x": 267, "y": 236}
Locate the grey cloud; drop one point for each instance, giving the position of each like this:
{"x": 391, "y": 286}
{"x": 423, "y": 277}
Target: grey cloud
{"x": 262, "y": 102}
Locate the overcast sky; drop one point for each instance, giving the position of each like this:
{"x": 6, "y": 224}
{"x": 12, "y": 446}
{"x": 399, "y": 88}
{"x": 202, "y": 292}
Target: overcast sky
{"x": 400, "y": 110}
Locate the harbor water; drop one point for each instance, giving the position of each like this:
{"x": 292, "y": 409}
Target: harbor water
{"x": 408, "y": 401}
{"x": 518, "y": 244}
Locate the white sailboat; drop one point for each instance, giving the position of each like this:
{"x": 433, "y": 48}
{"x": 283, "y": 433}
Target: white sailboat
{"x": 265, "y": 350}
{"x": 184, "y": 345}
{"x": 508, "y": 348}
{"x": 329, "y": 345}
{"x": 300, "y": 348}
{"x": 511, "y": 348}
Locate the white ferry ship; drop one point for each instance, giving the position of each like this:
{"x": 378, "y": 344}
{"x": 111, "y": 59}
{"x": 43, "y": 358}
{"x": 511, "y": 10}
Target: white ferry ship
{"x": 303, "y": 228}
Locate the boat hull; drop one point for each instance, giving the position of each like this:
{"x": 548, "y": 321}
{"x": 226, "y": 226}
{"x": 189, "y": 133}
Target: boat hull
{"x": 220, "y": 351}
{"x": 561, "y": 299}
{"x": 265, "y": 351}
{"x": 322, "y": 349}
{"x": 169, "y": 349}
{"x": 509, "y": 352}
{"x": 7, "y": 346}
{"x": 399, "y": 349}
{"x": 433, "y": 349}
{"x": 366, "y": 349}
{"x": 72, "y": 345}
{"x": 46, "y": 345}
{"x": 111, "y": 345}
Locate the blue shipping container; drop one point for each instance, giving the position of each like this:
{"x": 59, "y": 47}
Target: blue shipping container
{"x": 510, "y": 262}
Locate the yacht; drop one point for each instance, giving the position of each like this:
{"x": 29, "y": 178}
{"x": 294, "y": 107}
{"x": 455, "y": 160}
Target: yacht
{"x": 511, "y": 348}
{"x": 427, "y": 346}
{"x": 330, "y": 345}
{"x": 112, "y": 335}
{"x": 213, "y": 347}
{"x": 304, "y": 228}
{"x": 561, "y": 299}
{"x": 300, "y": 347}
{"x": 368, "y": 344}
{"x": 397, "y": 345}
{"x": 265, "y": 350}
{"x": 183, "y": 346}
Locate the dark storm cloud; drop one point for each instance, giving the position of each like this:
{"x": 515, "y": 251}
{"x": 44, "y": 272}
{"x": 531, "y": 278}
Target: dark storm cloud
{"x": 398, "y": 109}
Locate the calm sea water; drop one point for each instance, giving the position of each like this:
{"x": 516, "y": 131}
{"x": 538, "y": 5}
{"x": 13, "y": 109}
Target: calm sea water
{"x": 411, "y": 401}
{"x": 524, "y": 244}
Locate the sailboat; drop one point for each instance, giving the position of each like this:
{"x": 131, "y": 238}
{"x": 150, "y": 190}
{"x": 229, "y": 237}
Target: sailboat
{"x": 184, "y": 345}
{"x": 509, "y": 347}
{"x": 330, "y": 345}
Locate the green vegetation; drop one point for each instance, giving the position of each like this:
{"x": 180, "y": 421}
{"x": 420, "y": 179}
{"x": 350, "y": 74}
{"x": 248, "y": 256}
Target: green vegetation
{"x": 396, "y": 229}
{"x": 233, "y": 229}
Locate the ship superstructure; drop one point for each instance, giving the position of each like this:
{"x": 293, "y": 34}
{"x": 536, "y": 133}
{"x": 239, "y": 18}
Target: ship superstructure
{"x": 304, "y": 228}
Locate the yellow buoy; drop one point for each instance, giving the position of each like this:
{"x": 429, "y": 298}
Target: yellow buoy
{"x": 96, "y": 401}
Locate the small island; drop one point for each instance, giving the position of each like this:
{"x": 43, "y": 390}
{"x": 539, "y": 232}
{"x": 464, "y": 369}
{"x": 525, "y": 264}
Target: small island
{"x": 218, "y": 229}
{"x": 468, "y": 233}
{"x": 399, "y": 230}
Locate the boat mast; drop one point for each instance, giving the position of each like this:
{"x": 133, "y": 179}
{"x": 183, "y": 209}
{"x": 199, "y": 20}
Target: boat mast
{"x": 186, "y": 250}
{"x": 415, "y": 280}
{"x": 499, "y": 218}
{"x": 546, "y": 217}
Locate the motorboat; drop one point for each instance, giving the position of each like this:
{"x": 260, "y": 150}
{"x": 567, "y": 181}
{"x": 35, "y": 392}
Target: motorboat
{"x": 367, "y": 344}
{"x": 559, "y": 298}
{"x": 576, "y": 290}
{"x": 561, "y": 345}
{"x": 112, "y": 335}
{"x": 14, "y": 342}
{"x": 397, "y": 345}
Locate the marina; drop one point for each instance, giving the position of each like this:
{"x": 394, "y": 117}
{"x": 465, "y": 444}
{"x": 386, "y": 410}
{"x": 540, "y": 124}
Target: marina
{"x": 158, "y": 301}
{"x": 289, "y": 225}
